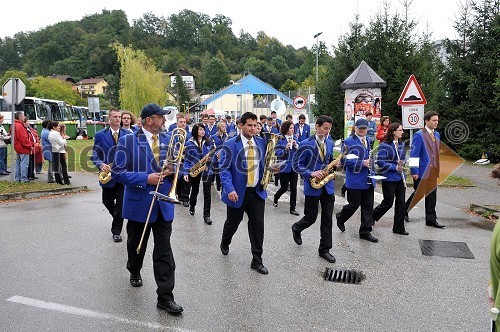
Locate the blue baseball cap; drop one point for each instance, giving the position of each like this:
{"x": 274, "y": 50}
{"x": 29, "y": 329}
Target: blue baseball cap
{"x": 152, "y": 109}
{"x": 361, "y": 123}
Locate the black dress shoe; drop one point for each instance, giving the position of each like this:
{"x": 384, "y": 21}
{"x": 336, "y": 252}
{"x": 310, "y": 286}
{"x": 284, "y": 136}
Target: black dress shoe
{"x": 170, "y": 306}
{"x": 259, "y": 268}
{"x": 224, "y": 249}
{"x": 275, "y": 204}
{"x": 117, "y": 238}
{"x": 191, "y": 210}
{"x": 329, "y": 257}
{"x": 402, "y": 233}
{"x": 407, "y": 219}
{"x": 340, "y": 225}
{"x": 207, "y": 220}
{"x": 51, "y": 181}
{"x": 434, "y": 224}
{"x": 135, "y": 280}
{"x": 185, "y": 204}
{"x": 368, "y": 237}
{"x": 296, "y": 237}
{"x": 295, "y": 213}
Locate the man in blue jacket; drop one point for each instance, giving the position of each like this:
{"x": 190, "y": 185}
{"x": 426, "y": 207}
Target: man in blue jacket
{"x": 313, "y": 155}
{"x": 302, "y": 129}
{"x": 241, "y": 170}
{"x": 138, "y": 165}
{"x": 425, "y": 147}
{"x": 359, "y": 185}
{"x": 103, "y": 154}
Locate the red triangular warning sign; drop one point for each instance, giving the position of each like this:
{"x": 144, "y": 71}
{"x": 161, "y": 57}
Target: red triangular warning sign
{"x": 412, "y": 93}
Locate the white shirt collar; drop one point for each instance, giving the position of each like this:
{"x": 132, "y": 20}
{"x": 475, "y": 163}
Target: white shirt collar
{"x": 430, "y": 131}
{"x": 149, "y": 136}
{"x": 245, "y": 140}
{"x": 361, "y": 138}
{"x": 320, "y": 140}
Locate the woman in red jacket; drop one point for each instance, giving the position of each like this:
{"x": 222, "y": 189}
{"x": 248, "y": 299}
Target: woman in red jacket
{"x": 385, "y": 121}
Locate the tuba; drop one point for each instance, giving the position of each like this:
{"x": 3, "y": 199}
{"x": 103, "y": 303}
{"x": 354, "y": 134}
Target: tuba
{"x": 201, "y": 165}
{"x": 329, "y": 170}
{"x": 105, "y": 176}
{"x": 270, "y": 160}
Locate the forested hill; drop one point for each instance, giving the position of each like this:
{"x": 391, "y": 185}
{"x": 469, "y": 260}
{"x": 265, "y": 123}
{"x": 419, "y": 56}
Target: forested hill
{"x": 187, "y": 39}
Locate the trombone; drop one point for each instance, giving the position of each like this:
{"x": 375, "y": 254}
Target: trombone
{"x": 175, "y": 151}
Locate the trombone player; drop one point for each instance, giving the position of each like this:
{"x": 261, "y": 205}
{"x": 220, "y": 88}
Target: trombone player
{"x": 138, "y": 163}
{"x": 310, "y": 161}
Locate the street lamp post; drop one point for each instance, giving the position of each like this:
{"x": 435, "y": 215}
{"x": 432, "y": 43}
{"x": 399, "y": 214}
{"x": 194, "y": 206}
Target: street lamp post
{"x": 317, "y": 53}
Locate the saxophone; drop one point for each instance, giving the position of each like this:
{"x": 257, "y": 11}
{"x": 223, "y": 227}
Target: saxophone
{"x": 329, "y": 170}
{"x": 270, "y": 160}
{"x": 105, "y": 176}
{"x": 201, "y": 165}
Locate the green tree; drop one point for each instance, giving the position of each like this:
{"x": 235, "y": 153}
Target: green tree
{"x": 216, "y": 75}
{"x": 472, "y": 79}
{"x": 182, "y": 93}
{"x": 53, "y": 88}
{"x": 140, "y": 82}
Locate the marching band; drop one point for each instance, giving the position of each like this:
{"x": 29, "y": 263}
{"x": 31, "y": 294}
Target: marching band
{"x": 240, "y": 158}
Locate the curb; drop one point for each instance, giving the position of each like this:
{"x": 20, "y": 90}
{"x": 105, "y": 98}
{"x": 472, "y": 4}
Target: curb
{"x": 42, "y": 193}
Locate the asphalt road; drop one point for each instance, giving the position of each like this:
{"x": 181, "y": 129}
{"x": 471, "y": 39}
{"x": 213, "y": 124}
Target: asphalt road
{"x": 61, "y": 271}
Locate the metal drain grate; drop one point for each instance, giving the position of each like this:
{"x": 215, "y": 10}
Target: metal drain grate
{"x": 343, "y": 276}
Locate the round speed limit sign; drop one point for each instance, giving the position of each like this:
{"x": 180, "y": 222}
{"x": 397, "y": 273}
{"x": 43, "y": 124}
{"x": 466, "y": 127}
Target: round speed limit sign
{"x": 413, "y": 119}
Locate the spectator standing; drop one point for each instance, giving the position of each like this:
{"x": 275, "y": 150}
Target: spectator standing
{"x": 372, "y": 126}
{"x": 385, "y": 121}
{"x": 3, "y": 147}
{"x": 47, "y": 150}
{"x": 58, "y": 144}
{"x": 23, "y": 147}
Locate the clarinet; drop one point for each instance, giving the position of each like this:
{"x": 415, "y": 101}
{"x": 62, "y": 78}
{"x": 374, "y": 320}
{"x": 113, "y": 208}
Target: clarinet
{"x": 399, "y": 160}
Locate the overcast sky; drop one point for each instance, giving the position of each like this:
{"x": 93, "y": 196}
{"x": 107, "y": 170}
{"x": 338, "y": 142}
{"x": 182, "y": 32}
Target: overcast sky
{"x": 291, "y": 22}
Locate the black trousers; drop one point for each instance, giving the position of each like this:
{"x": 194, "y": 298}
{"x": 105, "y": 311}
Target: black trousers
{"x": 217, "y": 181}
{"x": 391, "y": 190}
{"x": 254, "y": 206}
{"x": 112, "y": 198}
{"x": 311, "y": 213}
{"x": 285, "y": 179}
{"x": 163, "y": 258}
{"x": 207, "y": 192}
{"x": 60, "y": 167}
{"x": 182, "y": 189}
{"x": 355, "y": 199}
{"x": 31, "y": 167}
{"x": 430, "y": 199}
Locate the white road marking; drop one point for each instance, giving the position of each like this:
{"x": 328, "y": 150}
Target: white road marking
{"x": 85, "y": 313}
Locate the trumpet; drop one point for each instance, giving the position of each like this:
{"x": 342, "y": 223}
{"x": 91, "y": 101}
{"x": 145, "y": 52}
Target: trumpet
{"x": 270, "y": 160}
{"x": 174, "y": 159}
{"x": 105, "y": 176}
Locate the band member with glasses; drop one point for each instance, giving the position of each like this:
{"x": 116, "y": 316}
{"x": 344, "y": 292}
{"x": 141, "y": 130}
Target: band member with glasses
{"x": 197, "y": 147}
{"x": 359, "y": 185}
{"x": 313, "y": 155}
{"x": 391, "y": 158}
{"x": 138, "y": 163}
{"x": 285, "y": 150}
{"x": 241, "y": 169}
{"x": 103, "y": 153}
